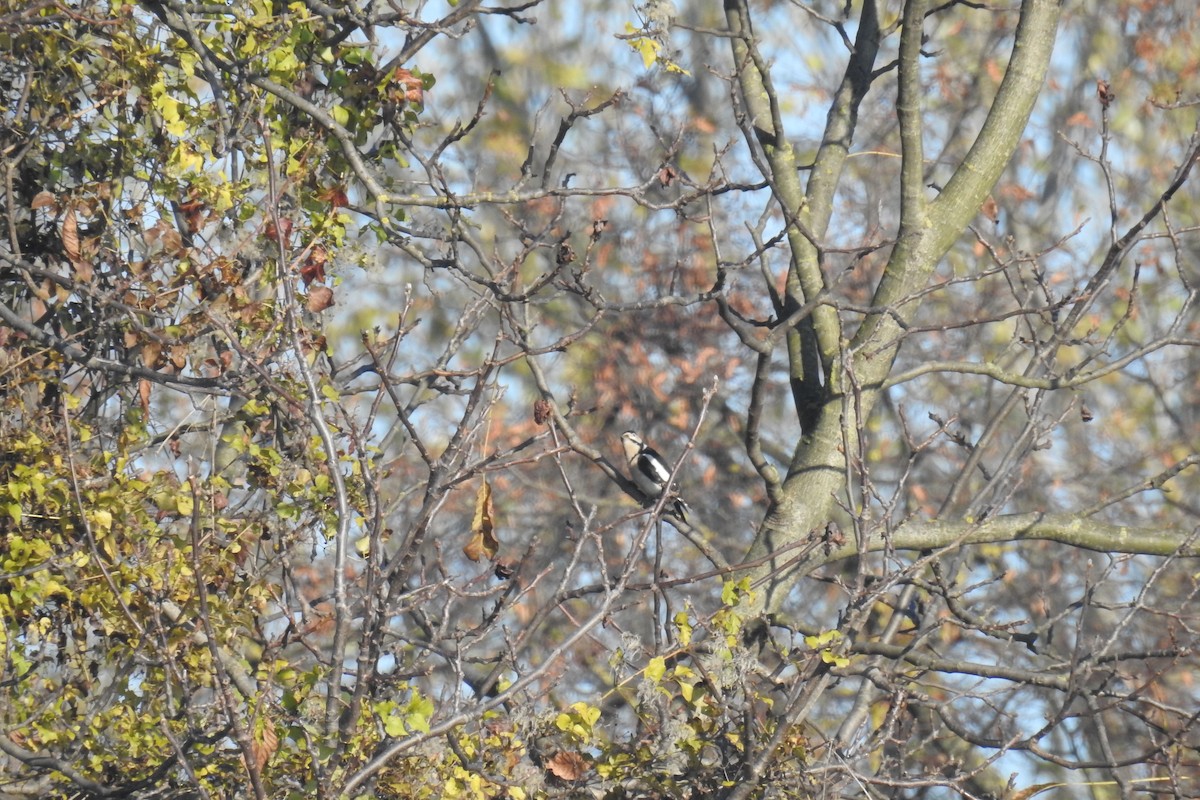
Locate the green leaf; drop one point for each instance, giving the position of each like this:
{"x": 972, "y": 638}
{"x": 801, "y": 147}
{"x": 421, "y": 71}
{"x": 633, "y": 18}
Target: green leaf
{"x": 394, "y": 726}
{"x": 419, "y": 709}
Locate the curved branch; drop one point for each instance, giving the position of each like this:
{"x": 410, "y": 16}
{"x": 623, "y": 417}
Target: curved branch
{"x": 813, "y": 342}
{"x": 1026, "y": 381}
{"x": 968, "y": 187}
{"x": 81, "y": 357}
{"x": 1069, "y": 529}
{"x": 938, "y": 224}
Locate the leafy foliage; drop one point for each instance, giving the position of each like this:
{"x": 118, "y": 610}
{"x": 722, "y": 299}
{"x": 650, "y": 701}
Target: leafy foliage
{"x": 317, "y": 322}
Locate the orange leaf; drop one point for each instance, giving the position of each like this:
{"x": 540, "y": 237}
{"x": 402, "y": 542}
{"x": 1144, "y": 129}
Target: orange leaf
{"x": 1079, "y": 118}
{"x": 411, "y": 90}
{"x": 990, "y": 209}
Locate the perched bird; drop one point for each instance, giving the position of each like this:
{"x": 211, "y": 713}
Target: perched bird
{"x": 650, "y": 471}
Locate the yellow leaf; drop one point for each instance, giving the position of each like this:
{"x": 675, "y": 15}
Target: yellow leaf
{"x": 649, "y": 50}
{"x": 184, "y": 505}
{"x": 588, "y": 714}
{"x": 189, "y": 159}
{"x": 822, "y": 639}
{"x": 102, "y": 519}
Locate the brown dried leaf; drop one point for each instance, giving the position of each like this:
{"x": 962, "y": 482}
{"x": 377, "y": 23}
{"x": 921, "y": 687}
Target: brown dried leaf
{"x": 335, "y": 196}
{"x": 483, "y": 526}
{"x": 313, "y": 269}
{"x": 172, "y": 242}
{"x": 44, "y": 199}
{"x": 567, "y": 766}
{"x": 319, "y": 298}
{"x": 264, "y": 746}
{"x": 179, "y": 354}
{"x": 70, "y": 235}
{"x": 144, "y": 396}
{"x": 991, "y": 210}
{"x": 151, "y": 354}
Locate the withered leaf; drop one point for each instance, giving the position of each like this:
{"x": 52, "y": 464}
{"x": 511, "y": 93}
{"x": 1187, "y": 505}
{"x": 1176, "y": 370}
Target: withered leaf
{"x": 483, "y": 526}
{"x": 264, "y": 746}
{"x": 541, "y": 410}
{"x": 144, "y": 396}
{"x": 44, "y": 199}
{"x": 991, "y": 210}
{"x": 70, "y": 235}
{"x": 313, "y": 269}
{"x": 567, "y": 766}
{"x": 151, "y": 354}
{"x": 319, "y": 298}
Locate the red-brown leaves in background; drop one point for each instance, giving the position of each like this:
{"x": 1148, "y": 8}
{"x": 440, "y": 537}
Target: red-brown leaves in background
{"x": 313, "y": 269}
{"x": 194, "y": 212}
{"x": 275, "y": 231}
{"x": 335, "y": 196}
{"x": 406, "y": 88}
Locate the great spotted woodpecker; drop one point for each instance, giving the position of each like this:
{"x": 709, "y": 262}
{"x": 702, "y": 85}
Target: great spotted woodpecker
{"x": 650, "y": 472}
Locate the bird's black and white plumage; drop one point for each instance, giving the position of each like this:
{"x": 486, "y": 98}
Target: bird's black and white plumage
{"x": 650, "y": 471}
